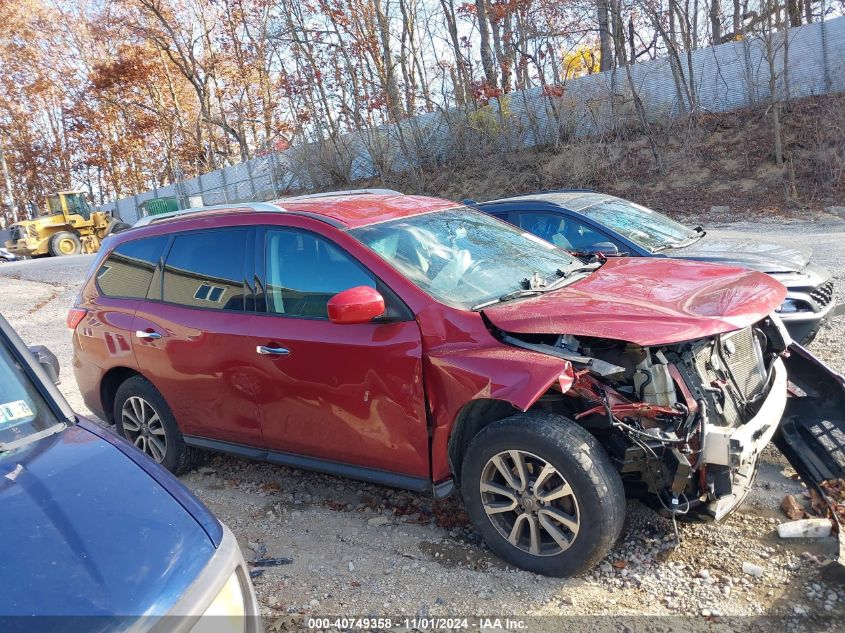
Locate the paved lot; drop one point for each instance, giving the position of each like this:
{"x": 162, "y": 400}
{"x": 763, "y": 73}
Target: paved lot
{"x": 362, "y": 549}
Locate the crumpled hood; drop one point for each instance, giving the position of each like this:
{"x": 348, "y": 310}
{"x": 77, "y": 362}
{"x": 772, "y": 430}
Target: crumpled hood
{"x": 646, "y": 301}
{"x": 87, "y": 532}
{"x": 734, "y": 250}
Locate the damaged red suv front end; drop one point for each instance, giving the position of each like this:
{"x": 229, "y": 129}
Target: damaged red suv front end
{"x": 675, "y": 366}
{"x": 675, "y": 371}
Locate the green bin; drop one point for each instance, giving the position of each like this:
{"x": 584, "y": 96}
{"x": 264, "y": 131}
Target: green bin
{"x": 157, "y": 206}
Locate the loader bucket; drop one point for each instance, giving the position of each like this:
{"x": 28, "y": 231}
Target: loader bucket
{"x": 812, "y": 435}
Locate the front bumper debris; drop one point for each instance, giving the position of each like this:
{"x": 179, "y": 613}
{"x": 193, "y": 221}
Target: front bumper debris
{"x": 739, "y": 446}
{"x": 812, "y": 432}
{"x": 735, "y": 451}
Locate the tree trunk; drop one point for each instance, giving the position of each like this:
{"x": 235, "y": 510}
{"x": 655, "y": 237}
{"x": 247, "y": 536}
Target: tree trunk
{"x": 737, "y": 18}
{"x": 618, "y": 32}
{"x": 605, "y": 40}
{"x": 487, "y": 62}
{"x": 715, "y": 22}
{"x": 793, "y": 8}
{"x": 462, "y": 95}
{"x": 391, "y": 86}
{"x": 771, "y": 57}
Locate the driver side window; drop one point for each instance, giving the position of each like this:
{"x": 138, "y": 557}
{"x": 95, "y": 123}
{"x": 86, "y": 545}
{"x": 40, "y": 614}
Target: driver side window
{"x": 304, "y": 271}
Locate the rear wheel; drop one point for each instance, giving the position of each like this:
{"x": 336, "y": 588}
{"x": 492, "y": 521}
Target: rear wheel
{"x": 142, "y": 416}
{"x": 543, "y": 493}
{"x": 65, "y": 243}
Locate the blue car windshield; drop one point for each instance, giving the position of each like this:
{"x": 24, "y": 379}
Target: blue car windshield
{"x": 649, "y": 229}
{"x": 463, "y": 257}
{"x": 24, "y": 414}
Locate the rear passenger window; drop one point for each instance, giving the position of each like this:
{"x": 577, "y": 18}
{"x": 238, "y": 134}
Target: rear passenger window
{"x": 305, "y": 271}
{"x": 207, "y": 269}
{"x": 129, "y": 269}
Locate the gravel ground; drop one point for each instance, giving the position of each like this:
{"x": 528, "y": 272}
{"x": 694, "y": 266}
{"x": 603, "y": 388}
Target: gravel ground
{"x": 370, "y": 550}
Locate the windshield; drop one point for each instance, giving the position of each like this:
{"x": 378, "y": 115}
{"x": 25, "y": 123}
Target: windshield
{"x": 463, "y": 257}
{"x": 76, "y": 203}
{"x": 23, "y": 412}
{"x": 647, "y": 228}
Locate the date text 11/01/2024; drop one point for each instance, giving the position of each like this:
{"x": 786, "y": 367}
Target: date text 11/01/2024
{"x": 422, "y": 623}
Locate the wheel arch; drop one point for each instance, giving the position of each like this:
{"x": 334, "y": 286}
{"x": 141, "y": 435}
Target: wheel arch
{"x": 110, "y": 383}
{"x": 466, "y": 392}
{"x": 474, "y": 416}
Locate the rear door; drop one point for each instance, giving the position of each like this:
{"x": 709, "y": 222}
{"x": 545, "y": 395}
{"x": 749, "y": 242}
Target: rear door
{"x": 121, "y": 283}
{"x": 350, "y": 393}
{"x": 191, "y": 339}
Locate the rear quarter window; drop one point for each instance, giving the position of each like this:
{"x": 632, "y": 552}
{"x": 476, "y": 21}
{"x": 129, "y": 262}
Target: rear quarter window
{"x": 129, "y": 269}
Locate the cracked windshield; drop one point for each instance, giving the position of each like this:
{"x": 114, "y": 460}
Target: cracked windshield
{"x": 641, "y": 225}
{"x": 463, "y": 258}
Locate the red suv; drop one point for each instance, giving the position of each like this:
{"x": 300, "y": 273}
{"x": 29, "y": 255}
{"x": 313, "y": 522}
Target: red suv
{"x": 414, "y": 342}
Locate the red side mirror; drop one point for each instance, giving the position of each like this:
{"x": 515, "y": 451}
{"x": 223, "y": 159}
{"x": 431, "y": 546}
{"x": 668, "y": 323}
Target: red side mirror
{"x": 360, "y": 304}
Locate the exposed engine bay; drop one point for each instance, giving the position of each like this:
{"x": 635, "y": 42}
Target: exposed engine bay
{"x": 686, "y": 422}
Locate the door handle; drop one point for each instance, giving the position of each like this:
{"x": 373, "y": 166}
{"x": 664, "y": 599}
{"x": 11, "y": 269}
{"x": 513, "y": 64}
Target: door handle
{"x": 272, "y": 351}
{"x": 147, "y": 336}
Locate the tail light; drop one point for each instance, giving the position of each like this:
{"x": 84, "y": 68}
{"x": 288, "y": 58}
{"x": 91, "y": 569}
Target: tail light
{"x": 75, "y": 316}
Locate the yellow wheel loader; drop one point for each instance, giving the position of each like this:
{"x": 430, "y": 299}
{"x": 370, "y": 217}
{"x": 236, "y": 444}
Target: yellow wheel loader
{"x": 68, "y": 227}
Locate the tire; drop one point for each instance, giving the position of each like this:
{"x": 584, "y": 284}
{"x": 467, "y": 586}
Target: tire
{"x": 64, "y": 243}
{"x": 134, "y": 400}
{"x": 593, "y": 505}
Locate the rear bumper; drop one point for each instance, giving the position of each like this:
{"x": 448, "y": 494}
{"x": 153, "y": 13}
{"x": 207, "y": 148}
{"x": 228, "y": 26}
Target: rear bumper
{"x": 89, "y": 377}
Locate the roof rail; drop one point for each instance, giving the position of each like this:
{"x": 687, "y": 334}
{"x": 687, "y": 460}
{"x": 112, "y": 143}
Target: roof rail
{"x": 255, "y": 206}
{"x": 348, "y": 192}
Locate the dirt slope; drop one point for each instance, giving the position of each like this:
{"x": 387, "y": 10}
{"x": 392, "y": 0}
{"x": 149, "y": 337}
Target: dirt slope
{"x": 724, "y": 159}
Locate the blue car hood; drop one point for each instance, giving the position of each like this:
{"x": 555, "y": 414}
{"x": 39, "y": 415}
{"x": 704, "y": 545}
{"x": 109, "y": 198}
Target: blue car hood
{"x": 86, "y": 531}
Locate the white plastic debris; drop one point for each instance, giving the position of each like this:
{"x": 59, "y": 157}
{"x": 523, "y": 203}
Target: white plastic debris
{"x": 805, "y": 528}
{"x": 752, "y": 570}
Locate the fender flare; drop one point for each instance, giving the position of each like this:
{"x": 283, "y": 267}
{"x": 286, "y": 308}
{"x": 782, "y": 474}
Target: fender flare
{"x": 458, "y": 378}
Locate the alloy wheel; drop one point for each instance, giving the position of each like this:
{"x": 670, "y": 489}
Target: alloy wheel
{"x": 143, "y": 427}
{"x": 529, "y": 503}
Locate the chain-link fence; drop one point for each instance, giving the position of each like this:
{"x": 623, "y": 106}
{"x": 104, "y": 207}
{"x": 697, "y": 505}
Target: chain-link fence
{"x": 718, "y": 79}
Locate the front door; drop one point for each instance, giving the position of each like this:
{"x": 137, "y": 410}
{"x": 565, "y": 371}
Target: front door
{"x": 193, "y": 342}
{"x": 350, "y": 394}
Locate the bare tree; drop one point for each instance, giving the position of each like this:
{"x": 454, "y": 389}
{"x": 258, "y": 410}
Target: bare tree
{"x": 605, "y": 39}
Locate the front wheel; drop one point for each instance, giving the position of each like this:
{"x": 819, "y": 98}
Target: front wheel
{"x": 543, "y": 493}
{"x": 64, "y": 243}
